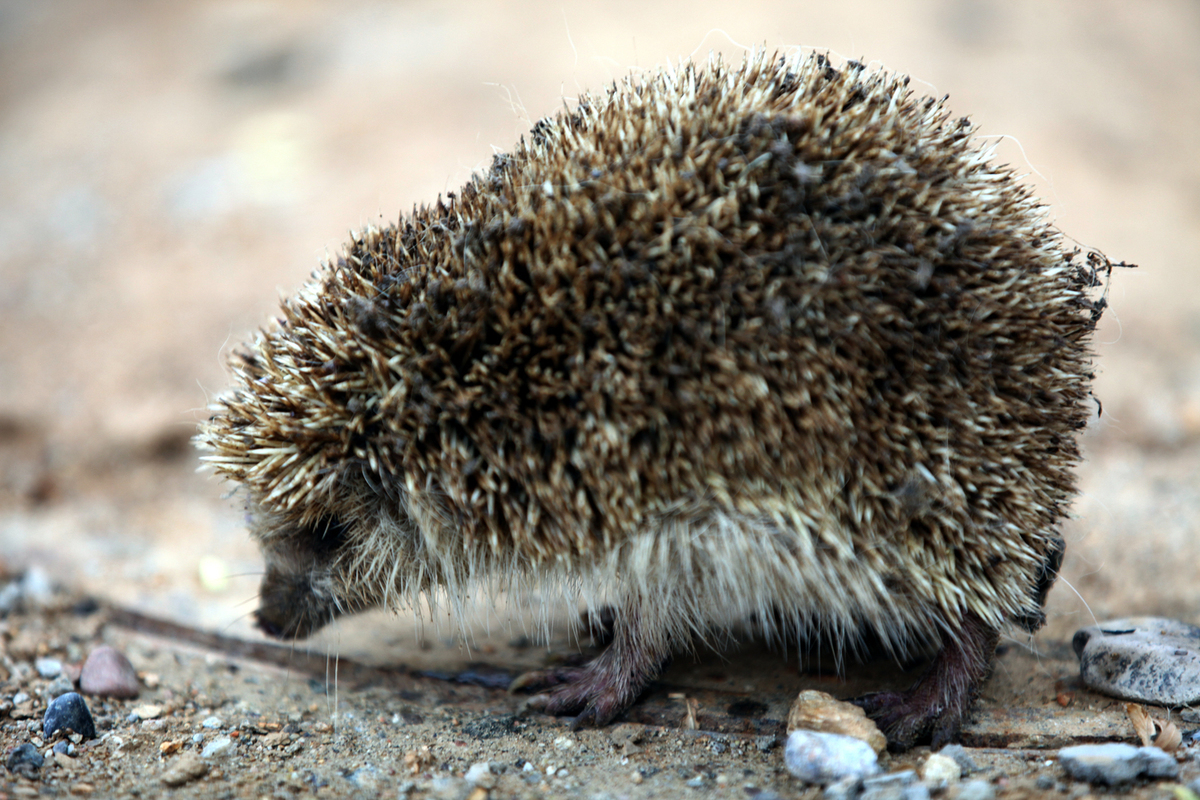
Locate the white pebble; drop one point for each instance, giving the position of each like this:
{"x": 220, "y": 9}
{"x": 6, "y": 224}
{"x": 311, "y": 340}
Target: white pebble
{"x": 48, "y": 667}
{"x": 481, "y": 774}
{"x": 940, "y": 771}
{"x": 816, "y": 757}
{"x": 218, "y": 748}
{"x": 976, "y": 790}
{"x": 213, "y": 722}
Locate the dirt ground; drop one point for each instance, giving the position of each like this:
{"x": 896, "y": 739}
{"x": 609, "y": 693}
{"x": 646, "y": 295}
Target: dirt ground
{"x": 168, "y": 170}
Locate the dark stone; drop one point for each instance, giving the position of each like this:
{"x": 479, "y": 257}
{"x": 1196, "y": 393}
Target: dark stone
{"x": 68, "y": 712}
{"x": 25, "y": 761}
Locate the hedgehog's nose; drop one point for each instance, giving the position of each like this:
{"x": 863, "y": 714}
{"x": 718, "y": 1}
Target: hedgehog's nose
{"x": 268, "y": 627}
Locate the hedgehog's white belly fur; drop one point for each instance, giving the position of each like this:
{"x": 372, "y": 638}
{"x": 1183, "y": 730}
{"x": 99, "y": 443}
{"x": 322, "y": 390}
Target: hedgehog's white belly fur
{"x": 692, "y": 577}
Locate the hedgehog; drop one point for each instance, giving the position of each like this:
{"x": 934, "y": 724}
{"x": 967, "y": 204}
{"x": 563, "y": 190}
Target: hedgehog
{"x": 773, "y": 345}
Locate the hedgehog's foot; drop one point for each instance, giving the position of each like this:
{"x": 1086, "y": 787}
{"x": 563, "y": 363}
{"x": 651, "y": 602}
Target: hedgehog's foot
{"x": 935, "y": 708}
{"x": 604, "y": 687}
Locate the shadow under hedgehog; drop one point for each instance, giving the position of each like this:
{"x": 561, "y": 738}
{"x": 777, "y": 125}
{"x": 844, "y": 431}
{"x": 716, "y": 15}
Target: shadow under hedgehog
{"x": 775, "y": 342}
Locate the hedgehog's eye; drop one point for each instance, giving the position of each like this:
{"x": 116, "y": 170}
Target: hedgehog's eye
{"x": 326, "y": 535}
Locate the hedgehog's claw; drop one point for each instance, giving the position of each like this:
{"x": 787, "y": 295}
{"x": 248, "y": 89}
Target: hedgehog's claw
{"x": 600, "y": 690}
{"x": 587, "y": 692}
{"x": 935, "y": 708}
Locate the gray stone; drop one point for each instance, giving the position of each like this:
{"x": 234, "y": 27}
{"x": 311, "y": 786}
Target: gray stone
{"x": 24, "y": 761}
{"x": 765, "y": 743}
{"x": 824, "y": 758}
{"x": 1147, "y": 659}
{"x": 1159, "y": 764}
{"x": 845, "y": 789}
{"x": 48, "y": 667}
{"x": 894, "y": 786}
{"x": 976, "y": 790}
{"x": 1114, "y": 764}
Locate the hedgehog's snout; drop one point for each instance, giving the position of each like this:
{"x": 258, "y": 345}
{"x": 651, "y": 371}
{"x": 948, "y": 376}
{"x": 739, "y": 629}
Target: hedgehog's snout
{"x": 298, "y": 594}
{"x": 295, "y": 605}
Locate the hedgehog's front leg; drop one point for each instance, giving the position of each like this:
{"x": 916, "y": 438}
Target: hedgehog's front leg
{"x": 935, "y": 708}
{"x": 608, "y": 684}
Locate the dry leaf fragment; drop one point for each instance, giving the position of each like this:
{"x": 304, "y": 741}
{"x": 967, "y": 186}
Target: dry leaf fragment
{"x": 1143, "y": 726}
{"x": 689, "y": 720}
{"x": 1168, "y": 737}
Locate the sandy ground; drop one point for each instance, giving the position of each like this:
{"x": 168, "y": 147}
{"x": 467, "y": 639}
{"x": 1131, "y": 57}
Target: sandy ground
{"x": 167, "y": 171}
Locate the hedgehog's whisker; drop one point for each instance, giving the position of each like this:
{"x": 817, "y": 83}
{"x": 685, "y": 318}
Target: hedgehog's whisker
{"x": 1077, "y": 594}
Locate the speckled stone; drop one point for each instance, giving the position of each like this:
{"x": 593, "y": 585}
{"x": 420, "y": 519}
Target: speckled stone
{"x": 108, "y": 673}
{"x": 1147, "y": 659}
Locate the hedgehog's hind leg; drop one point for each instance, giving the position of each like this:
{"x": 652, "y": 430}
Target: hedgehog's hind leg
{"x": 605, "y": 686}
{"x": 935, "y": 708}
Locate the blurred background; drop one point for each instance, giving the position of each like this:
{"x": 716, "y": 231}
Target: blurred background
{"x": 169, "y": 170}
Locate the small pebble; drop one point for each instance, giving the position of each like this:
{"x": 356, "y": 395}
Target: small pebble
{"x": 183, "y": 768}
{"x": 63, "y": 747}
{"x": 212, "y": 722}
{"x": 68, "y": 711}
{"x": 108, "y": 673}
{"x": 145, "y": 711}
{"x": 939, "y": 771}
{"x": 961, "y": 757}
{"x": 696, "y": 782}
{"x": 845, "y": 789}
{"x": 198, "y": 738}
{"x": 1113, "y": 764}
{"x": 10, "y": 596}
{"x": 825, "y": 758}
{"x": 765, "y": 743}
{"x": 25, "y": 761}
{"x": 218, "y": 748}
{"x": 480, "y": 774}
{"x": 48, "y": 667}
{"x": 976, "y": 790}
{"x": 19, "y": 697}
{"x": 365, "y": 777}
{"x": 894, "y": 786}
{"x": 59, "y": 686}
